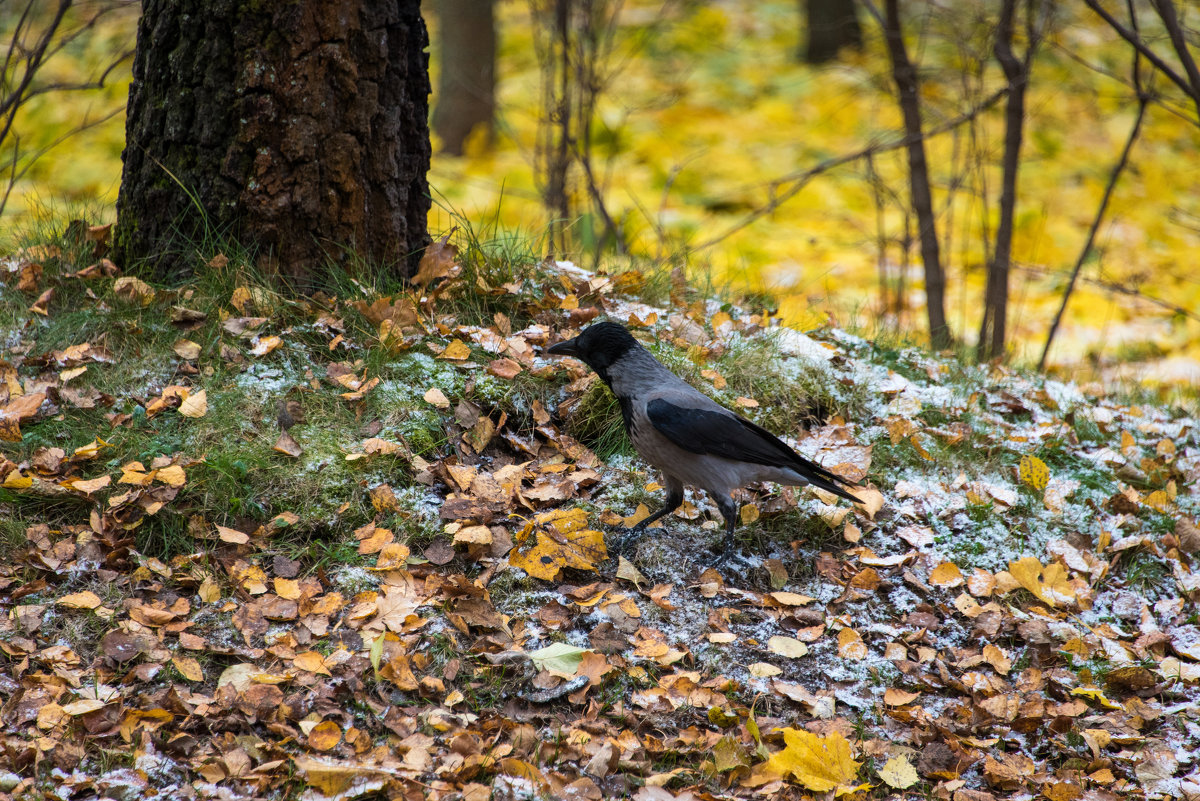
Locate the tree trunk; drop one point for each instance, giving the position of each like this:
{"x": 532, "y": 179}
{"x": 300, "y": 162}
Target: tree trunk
{"x": 993, "y": 327}
{"x": 295, "y": 127}
{"x": 829, "y": 25}
{"x": 466, "y": 93}
{"x": 905, "y": 76}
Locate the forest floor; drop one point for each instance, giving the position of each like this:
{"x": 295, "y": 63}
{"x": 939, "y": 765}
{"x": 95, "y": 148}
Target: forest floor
{"x": 253, "y": 546}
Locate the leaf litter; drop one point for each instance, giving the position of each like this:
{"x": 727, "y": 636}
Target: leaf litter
{"x": 1011, "y": 613}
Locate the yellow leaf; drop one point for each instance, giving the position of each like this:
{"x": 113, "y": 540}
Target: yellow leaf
{"x": 1032, "y": 472}
{"x": 946, "y": 574}
{"x": 818, "y": 763}
{"x": 1049, "y": 584}
{"x": 1096, "y": 694}
{"x": 171, "y": 475}
{"x": 195, "y": 405}
{"x": 325, "y": 735}
{"x": 562, "y": 540}
{"x": 264, "y": 345}
{"x": 763, "y": 670}
{"x": 787, "y": 646}
{"x": 91, "y": 450}
{"x": 456, "y": 351}
{"x": 899, "y": 773}
{"x": 851, "y": 646}
{"x": 87, "y": 487}
{"x": 16, "y": 481}
{"x": 232, "y": 535}
{"x": 287, "y": 588}
{"x": 80, "y": 600}
{"x": 437, "y": 398}
{"x": 188, "y": 667}
{"x": 187, "y": 349}
{"x": 311, "y": 661}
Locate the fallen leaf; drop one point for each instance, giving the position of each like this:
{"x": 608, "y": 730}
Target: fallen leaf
{"x": 1033, "y": 472}
{"x": 324, "y": 736}
{"x": 195, "y": 405}
{"x": 818, "y": 763}
{"x": 559, "y": 657}
{"x": 787, "y": 646}
{"x": 80, "y": 600}
{"x": 287, "y": 445}
{"x": 437, "y": 398}
{"x": 1049, "y": 584}
{"x": 187, "y": 349}
{"x": 899, "y": 773}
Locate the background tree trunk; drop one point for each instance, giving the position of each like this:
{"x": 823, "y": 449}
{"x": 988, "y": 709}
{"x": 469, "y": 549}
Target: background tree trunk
{"x": 297, "y": 127}
{"x": 905, "y": 76}
{"x": 829, "y": 25}
{"x": 994, "y": 325}
{"x": 466, "y": 93}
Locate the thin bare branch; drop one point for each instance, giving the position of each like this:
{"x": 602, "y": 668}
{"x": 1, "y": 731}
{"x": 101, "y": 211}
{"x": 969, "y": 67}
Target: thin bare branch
{"x": 802, "y": 178}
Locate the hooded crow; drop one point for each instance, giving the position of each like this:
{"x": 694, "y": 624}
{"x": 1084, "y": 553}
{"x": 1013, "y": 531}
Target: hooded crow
{"x": 690, "y": 438}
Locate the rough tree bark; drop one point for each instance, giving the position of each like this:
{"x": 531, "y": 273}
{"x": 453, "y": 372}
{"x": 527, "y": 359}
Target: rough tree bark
{"x": 828, "y": 26}
{"x": 905, "y": 77}
{"x": 297, "y": 127}
{"x": 466, "y": 93}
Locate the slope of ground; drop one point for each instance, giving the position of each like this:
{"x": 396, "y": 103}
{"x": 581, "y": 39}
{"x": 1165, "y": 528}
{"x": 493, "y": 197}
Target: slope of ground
{"x": 258, "y": 547}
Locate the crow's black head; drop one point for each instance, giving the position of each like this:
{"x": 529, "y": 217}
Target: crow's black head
{"x": 599, "y": 346}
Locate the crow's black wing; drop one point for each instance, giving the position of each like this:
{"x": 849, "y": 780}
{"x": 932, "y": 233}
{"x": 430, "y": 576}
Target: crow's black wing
{"x": 729, "y": 436}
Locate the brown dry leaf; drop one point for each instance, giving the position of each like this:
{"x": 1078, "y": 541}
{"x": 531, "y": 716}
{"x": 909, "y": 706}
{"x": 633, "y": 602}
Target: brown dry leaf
{"x": 894, "y": 696}
{"x": 87, "y": 487}
{"x": 504, "y": 368}
{"x": 791, "y": 598}
{"x": 287, "y": 445}
{"x": 1049, "y": 584}
{"x": 473, "y": 535}
{"x": 130, "y": 290}
{"x": 627, "y": 571}
{"x": 440, "y": 260}
{"x": 871, "y": 500}
{"x": 996, "y": 657}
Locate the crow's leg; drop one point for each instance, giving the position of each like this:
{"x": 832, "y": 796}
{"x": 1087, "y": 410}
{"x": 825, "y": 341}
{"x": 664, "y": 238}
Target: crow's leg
{"x": 729, "y": 511}
{"x": 635, "y": 534}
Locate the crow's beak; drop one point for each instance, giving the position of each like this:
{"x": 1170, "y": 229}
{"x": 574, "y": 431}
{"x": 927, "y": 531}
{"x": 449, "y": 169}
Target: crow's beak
{"x": 565, "y": 348}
